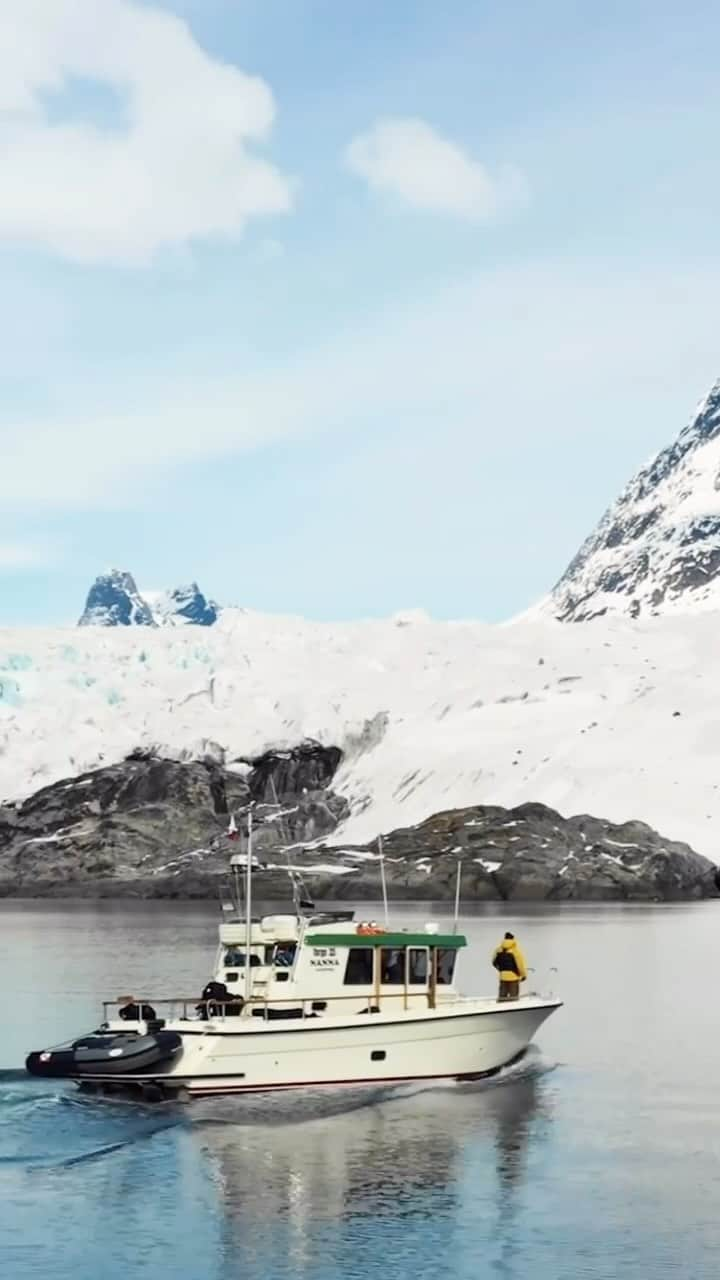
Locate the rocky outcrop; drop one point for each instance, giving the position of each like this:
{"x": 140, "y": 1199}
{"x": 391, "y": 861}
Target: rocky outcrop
{"x": 657, "y": 549}
{"x": 532, "y": 853}
{"x": 154, "y": 827}
{"x": 114, "y": 601}
{"x": 282, "y": 776}
{"x": 149, "y": 826}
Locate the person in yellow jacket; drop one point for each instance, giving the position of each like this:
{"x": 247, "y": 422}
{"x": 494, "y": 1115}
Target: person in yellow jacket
{"x": 509, "y": 961}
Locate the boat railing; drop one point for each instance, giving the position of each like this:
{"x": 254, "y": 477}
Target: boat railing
{"x": 189, "y": 1008}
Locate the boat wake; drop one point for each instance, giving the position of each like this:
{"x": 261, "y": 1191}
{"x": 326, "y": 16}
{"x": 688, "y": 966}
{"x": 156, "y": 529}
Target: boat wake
{"x": 44, "y": 1127}
{"x": 532, "y": 1066}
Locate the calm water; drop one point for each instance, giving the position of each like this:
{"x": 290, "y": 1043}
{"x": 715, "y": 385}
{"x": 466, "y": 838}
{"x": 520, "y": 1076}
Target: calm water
{"x": 600, "y": 1158}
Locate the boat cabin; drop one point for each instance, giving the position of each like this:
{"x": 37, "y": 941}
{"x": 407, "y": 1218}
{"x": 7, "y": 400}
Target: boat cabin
{"x": 335, "y": 965}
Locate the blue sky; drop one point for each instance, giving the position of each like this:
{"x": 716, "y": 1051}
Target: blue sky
{"x": 344, "y": 308}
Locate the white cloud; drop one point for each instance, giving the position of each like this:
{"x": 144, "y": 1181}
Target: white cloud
{"x": 176, "y": 169}
{"x": 409, "y": 159}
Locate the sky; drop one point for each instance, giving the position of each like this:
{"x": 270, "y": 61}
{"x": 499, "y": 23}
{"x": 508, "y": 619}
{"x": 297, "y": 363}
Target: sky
{"x": 344, "y": 308}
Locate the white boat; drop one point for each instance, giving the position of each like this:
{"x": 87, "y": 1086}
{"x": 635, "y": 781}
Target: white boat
{"x": 305, "y": 1000}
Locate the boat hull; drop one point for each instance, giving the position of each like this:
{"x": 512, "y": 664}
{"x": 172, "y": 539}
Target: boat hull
{"x": 320, "y": 1053}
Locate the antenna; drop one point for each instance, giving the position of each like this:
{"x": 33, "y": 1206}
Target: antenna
{"x": 295, "y": 886}
{"x": 248, "y": 905}
{"x": 382, "y": 880}
{"x": 457, "y": 895}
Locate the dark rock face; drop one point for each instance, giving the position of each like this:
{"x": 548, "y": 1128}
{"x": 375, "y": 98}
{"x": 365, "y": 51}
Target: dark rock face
{"x": 114, "y": 601}
{"x": 658, "y": 548}
{"x": 286, "y": 775}
{"x": 158, "y": 828}
{"x": 152, "y": 826}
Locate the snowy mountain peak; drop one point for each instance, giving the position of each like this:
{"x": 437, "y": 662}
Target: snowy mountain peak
{"x": 657, "y": 550}
{"x": 114, "y": 601}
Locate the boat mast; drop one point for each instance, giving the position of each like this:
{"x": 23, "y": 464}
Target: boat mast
{"x": 248, "y": 906}
{"x": 236, "y": 881}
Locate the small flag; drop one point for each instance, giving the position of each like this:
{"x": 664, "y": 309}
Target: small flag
{"x": 232, "y": 831}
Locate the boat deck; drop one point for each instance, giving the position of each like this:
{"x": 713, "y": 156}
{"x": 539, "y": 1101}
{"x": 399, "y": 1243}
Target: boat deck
{"x": 265, "y": 1017}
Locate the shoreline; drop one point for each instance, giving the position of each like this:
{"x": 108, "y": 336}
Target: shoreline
{"x": 126, "y": 891}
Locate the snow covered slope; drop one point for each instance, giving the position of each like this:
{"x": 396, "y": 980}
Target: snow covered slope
{"x": 620, "y": 719}
{"x": 657, "y": 550}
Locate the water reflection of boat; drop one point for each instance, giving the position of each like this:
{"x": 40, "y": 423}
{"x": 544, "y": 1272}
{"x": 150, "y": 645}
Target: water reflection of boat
{"x": 413, "y": 1157}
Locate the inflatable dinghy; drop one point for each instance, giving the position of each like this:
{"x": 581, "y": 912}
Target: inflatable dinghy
{"x": 122, "y": 1053}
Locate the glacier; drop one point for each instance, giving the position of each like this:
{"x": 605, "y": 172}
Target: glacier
{"x": 617, "y": 717}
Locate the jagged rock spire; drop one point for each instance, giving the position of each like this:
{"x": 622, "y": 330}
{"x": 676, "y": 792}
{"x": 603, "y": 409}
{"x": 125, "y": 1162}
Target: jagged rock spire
{"x": 114, "y": 601}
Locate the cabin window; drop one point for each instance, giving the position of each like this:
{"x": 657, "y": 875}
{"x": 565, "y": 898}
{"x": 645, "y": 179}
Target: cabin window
{"x": 236, "y": 960}
{"x": 359, "y": 968}
{"x": 392, "y": 966}
{"x": 417, "y": 966}
{"x": 446, "y": 957}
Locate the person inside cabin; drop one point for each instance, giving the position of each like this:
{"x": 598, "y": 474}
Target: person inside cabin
{"x": 509, "y": 961}
{"x": 393, "y": 965}
{"x": 284, "y": 954}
